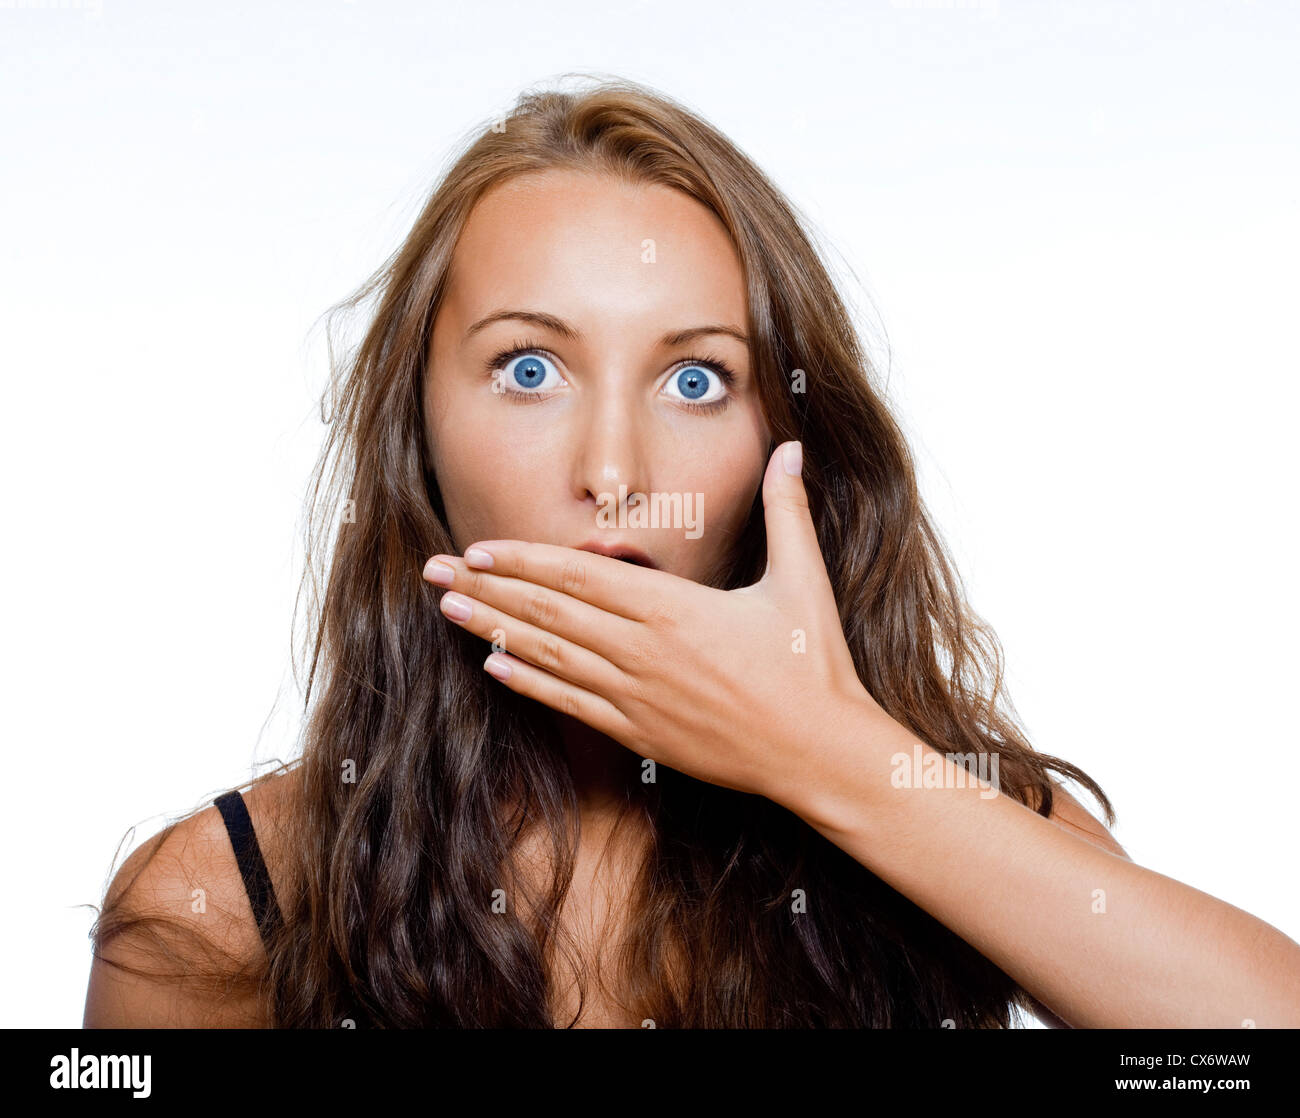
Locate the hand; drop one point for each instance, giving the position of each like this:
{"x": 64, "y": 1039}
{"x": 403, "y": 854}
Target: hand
{"x": 741, "y": 688}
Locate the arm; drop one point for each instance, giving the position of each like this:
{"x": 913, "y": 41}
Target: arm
{"x": 1067, "y": 812}
{"x": 1095, "y": 939}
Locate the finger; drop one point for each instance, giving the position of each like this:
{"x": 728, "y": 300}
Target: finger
{"x": 793, "y": 551}
{"x": 558, "y": 694}
{"x": 553, "y": 654}
{"x": 623, "y": 588}
{"x": 538, "y": 606}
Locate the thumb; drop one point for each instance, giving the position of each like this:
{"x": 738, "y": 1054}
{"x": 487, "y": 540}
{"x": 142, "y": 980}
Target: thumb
{"x": 792, "y": 544}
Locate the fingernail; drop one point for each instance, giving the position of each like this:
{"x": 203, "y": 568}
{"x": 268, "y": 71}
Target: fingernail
{"x": 438, "y": 572}
{"x": 497, "y": 667}
{"x": 456, "y": 607}
{"x": 792, "y": 458}
{"x": 477, "y": 557}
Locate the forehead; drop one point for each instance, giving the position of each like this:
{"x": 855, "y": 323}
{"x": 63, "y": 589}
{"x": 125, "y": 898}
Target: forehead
{"x": 592, "y": 248}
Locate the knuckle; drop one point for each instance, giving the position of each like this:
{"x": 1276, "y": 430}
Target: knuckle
{"x": 540, "y": 610}
{"x": 641, "y": 655}
{"x": 789, "y": 502}
{"x": 634, "y": 690}
{"x": 572, "y": 707}
{"x": 550, "y": 653}
{"x": 573, "y": 576}
{"x": 660, "y": 614}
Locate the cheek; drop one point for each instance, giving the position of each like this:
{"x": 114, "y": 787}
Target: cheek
{"x": 490, "y": 483}
{"x": 727, "y": 480}
{"x": 728, "y": 497}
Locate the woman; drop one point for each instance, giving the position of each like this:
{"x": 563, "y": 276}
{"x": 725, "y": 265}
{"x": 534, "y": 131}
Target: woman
{"x": 739, "y": 755}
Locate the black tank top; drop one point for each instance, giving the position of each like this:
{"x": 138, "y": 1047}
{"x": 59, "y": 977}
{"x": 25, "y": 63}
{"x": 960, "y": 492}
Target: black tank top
{"x": 257, "y": 881}
{"x": 252, "y": 866}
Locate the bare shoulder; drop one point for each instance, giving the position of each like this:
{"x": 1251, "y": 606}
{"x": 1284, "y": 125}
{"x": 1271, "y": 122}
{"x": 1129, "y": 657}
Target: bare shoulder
{"x": 178, "y": 939}
{"x": 272, "y": 805}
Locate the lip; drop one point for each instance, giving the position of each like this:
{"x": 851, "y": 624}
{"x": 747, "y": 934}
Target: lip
{"x": 618, "y": 551}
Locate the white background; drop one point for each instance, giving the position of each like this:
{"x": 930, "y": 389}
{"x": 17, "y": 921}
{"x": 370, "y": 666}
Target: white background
{"x": 1075, "y": 229}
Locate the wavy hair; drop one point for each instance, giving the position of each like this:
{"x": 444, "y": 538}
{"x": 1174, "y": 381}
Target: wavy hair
{"x": 391, "y": 874}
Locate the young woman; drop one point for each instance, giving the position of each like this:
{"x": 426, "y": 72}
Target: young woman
{"x": 738, "y": 754}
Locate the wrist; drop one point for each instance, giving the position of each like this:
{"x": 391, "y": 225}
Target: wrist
{"x": 848, "y": 777}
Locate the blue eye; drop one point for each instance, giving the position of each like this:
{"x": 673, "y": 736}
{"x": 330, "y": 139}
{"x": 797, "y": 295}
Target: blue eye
{"x": 530, "y": 372}
{"x": 692, "y": 382}
{"x": 528, "y": 376}
{"x": 703, "y": 384}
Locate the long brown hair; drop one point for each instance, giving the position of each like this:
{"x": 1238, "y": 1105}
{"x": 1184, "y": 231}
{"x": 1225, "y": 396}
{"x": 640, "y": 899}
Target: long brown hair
{"x": 395, "y": 875}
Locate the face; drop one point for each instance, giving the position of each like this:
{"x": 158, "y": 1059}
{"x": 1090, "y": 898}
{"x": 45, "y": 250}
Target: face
{"x": 594, "y": 406}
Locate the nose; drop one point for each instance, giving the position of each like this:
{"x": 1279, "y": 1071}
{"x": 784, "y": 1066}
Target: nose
{"x": 610, "y": 451}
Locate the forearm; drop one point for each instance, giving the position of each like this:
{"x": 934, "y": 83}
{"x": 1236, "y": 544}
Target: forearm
{"x": 1145, "y": 951}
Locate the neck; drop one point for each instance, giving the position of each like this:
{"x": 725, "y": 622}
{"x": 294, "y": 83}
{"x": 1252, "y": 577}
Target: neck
{"x": 605, "y": 773}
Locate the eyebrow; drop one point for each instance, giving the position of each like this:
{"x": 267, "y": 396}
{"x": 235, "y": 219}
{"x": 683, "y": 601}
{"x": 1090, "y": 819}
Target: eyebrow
{"x": 573, "y": 334}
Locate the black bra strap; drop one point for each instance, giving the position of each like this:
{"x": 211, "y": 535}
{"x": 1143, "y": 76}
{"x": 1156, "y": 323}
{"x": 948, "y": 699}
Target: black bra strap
{"x": 252, "y": 866}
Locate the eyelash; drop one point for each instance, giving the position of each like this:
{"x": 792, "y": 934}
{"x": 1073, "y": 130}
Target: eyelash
{"x": 713, "y": 364}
